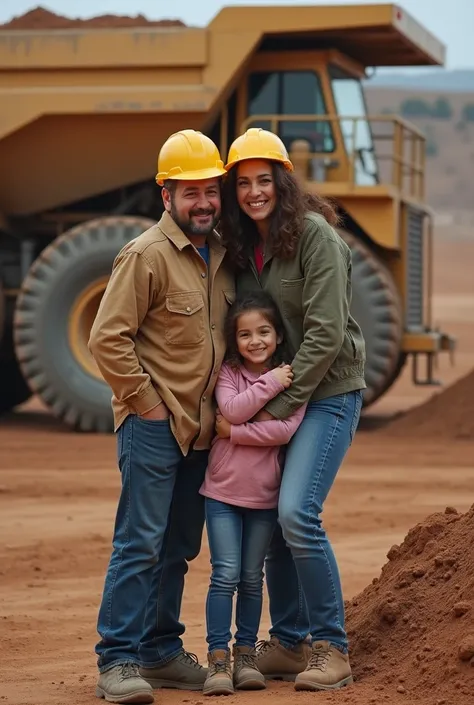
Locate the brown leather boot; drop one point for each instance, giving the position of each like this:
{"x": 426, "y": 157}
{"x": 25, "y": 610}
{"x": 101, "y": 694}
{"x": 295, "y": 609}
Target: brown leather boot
{"x": 219, "y": 675}
{"x": 183, "y": 672}
{"x": 328, "y": 669}
{"x": 123, "y": 684}
{"x": 246, "y": 673}
{"x": 276, "y": 662}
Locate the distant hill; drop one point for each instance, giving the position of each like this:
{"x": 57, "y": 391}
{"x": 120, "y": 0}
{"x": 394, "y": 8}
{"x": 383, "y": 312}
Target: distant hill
{"x": 447, "y": 120}
{"x": 433, "y": 79}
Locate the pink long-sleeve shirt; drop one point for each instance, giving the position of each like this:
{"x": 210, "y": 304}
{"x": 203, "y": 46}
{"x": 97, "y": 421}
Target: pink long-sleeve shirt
{"x": 245, "y": 469}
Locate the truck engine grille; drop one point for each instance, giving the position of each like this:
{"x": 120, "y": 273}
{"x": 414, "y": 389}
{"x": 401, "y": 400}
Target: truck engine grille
{"x": 415, "y": 269}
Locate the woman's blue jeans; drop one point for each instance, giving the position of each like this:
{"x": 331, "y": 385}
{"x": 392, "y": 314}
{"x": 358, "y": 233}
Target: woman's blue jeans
{"x": 301, "y": 571}
{"x": 238, "y": 541}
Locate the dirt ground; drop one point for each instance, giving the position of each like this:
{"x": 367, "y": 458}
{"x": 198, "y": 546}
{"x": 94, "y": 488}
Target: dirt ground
{"x": 57, "y": 501}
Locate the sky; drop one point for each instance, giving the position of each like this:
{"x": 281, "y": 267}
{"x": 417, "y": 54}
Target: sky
{"x": 451, "y": 21}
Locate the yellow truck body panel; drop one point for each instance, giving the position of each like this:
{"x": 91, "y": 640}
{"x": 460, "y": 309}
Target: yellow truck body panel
{"x": 85, "y": 111}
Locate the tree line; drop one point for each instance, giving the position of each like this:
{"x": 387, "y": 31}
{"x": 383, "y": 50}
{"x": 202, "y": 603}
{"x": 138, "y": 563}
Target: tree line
{"x": 440, "y": 109}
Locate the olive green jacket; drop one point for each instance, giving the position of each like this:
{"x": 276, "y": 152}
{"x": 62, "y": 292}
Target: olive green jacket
{"x": 313, "y": 291}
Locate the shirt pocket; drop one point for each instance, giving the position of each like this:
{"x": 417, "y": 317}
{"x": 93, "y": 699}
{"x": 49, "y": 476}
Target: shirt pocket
{"x": 292, "y": 297}
{"x": 184, "y": 319}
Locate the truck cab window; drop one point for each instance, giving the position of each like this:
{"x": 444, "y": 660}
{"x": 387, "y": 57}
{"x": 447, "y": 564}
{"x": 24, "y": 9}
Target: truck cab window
{"x": 350, "y": 101}
{"x": 291, "y": 93}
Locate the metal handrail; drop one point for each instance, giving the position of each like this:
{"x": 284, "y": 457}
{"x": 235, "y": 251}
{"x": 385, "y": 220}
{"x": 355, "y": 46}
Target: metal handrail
{"x": 407, "y": 155}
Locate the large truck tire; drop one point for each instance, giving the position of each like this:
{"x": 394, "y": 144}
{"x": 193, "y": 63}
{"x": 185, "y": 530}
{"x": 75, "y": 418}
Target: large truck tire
{"x": 377, "y": 307}
{"x": 55, "y": 310}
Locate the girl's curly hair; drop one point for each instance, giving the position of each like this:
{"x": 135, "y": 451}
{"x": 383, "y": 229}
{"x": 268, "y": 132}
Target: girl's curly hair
{"x": 239, "y": 232}
{"x": 262, "y": 302}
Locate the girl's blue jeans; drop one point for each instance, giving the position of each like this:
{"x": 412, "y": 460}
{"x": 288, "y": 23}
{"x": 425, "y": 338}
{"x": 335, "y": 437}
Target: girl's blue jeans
{"x": 238, "y": 541}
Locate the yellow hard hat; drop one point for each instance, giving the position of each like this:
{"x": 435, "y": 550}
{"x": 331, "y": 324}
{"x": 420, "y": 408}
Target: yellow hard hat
{"x": 258, "y": 143}
{"x": 189, "y": 155}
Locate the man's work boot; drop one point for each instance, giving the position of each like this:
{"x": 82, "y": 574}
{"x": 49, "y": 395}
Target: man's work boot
{"x": 123, "y": 684}
{"x": 328, "y": 669}
{"x": 276, "y": 662}
{"x": 246, "y": 673}
{"x": 219, "y": 674}
{"x": 183, "y": 672}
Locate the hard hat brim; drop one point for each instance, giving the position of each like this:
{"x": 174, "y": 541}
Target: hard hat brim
{"x": 286, "y": 162}
{"x": 198, "y": 175}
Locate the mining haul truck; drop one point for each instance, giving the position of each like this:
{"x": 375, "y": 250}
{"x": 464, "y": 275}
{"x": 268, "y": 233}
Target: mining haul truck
{"x": 83, "y": 115}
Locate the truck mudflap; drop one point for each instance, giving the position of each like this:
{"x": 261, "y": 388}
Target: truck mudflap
{"x": 425, "y": 346}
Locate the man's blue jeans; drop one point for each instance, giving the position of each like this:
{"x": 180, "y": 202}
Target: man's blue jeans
{"x": 301, "y": 571}
{"x": 238, "y": 540}
{"x": 158, "y": 529}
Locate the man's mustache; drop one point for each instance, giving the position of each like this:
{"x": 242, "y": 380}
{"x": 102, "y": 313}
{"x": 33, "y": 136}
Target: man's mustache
{"x": 203, "y": 212}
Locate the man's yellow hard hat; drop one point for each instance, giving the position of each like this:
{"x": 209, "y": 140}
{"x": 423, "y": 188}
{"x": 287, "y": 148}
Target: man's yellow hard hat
{"x": 257, "y": 143}
{"x": 189, "y": 155}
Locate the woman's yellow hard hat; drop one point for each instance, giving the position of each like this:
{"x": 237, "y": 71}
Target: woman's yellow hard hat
{"x": 257, "y": 143}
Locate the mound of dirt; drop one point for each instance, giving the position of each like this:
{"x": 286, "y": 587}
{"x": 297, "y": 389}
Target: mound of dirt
{"x": 448, "y": 414}
{"x": 40, "y": 18}
{"x": 412, "y": 630}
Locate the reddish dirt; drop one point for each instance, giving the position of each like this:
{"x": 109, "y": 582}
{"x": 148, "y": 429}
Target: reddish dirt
{"x": 413, "y": 628}
{"x": 448, "y": 414}
{"x": 58, "y": 492}
{"x": 40, "y": 18}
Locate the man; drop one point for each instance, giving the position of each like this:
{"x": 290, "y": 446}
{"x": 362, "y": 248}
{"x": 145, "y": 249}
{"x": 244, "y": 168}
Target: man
{"x": 158, "y": 341}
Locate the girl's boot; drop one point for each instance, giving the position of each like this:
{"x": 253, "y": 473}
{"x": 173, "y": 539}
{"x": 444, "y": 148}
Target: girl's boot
{"x": 219, "y": 675}
{"x": 246, "y": 673}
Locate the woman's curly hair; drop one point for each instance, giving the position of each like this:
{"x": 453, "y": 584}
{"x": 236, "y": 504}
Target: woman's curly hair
{"x": 239, "y": 232}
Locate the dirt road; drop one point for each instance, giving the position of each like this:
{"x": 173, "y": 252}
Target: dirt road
{"x": 57, "y": 500}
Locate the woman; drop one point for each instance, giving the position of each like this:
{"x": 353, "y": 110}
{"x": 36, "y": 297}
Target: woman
{"x": 284, "y": 241}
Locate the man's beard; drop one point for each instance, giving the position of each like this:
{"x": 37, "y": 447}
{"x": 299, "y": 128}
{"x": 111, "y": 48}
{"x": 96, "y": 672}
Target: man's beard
{"x": 189, "y": 227}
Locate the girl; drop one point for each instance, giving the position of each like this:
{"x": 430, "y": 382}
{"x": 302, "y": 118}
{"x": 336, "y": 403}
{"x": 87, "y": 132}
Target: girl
{"x": 241, "y": 487}
{"x": 285, "y": 242}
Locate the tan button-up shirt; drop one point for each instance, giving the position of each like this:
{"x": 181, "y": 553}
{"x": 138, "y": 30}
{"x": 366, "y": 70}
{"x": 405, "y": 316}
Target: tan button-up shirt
{"x": 159, "y": 332}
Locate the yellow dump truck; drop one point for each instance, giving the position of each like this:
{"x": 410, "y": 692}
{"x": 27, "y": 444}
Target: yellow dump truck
{"x": 83, "y": 115}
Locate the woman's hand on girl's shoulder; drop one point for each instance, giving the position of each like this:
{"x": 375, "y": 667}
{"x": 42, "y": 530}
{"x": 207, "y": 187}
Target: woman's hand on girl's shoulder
{"x": 284, "y": 375}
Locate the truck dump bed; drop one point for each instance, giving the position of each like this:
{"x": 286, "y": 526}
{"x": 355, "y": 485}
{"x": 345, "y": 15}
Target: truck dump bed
{"x": 85, "y": 111}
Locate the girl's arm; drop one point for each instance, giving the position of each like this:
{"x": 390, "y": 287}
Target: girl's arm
{"x": 267, "y": 433}
{"x": 326, "y": 265}
{"x": 240, "y": 407}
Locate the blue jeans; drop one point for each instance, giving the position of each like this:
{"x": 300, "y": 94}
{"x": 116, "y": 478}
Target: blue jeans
{"x": 158, "y": 529}
{"x": 238, "y": 541}
{"x": 301, "y": 571}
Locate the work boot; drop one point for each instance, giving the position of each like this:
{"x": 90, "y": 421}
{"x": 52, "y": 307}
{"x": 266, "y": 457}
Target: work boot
{"x": 183, "y": 672}
{"x": 123, "y": 684}
{"x": 328, "y": 669}
{"x": 246, "y": 673}
{"x": 276, "y": 662}
{"x": 219, "y": 675}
